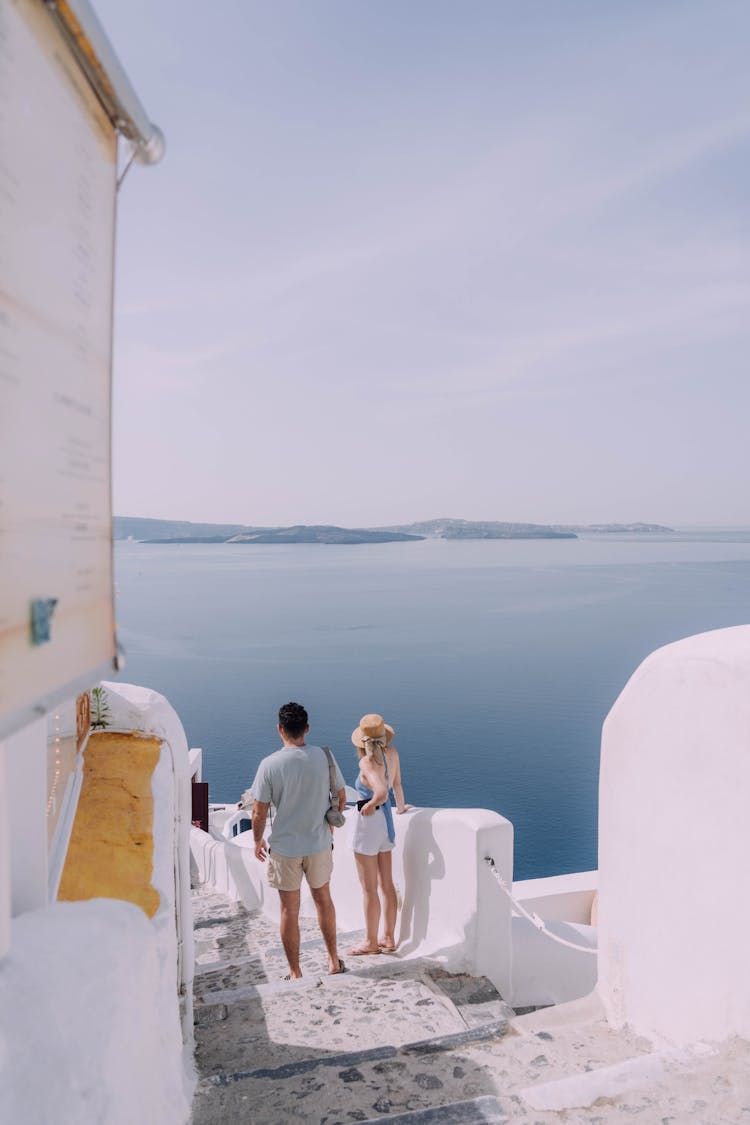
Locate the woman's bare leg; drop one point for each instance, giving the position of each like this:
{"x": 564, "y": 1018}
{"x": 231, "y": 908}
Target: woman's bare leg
{"x": 367, "y": 869}
{"x": 390, "y": 901}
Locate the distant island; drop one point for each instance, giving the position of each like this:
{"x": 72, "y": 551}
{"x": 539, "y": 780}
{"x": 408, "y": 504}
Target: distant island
{"x": 482, "y": 529}
{"x": 638, "y": 528}
{"x": 303, "y": 533}
{"x": 492, "y": 529}
{"x": 181, "y": 531}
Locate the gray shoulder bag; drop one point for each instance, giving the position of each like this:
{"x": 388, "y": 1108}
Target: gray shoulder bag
{"x": 333, "y": 815}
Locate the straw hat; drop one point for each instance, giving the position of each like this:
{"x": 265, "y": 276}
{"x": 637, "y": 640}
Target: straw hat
{"x": 372, "y": 726}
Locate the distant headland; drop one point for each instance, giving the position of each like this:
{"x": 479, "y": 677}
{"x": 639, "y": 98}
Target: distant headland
{"x": 180, "y": 531}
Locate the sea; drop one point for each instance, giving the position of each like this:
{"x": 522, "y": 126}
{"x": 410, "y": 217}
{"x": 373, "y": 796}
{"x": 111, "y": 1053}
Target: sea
{"x": 496, "y": 661}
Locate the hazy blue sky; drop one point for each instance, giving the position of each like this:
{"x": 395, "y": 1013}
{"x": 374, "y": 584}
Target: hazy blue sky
{"x": 412, "y": 259}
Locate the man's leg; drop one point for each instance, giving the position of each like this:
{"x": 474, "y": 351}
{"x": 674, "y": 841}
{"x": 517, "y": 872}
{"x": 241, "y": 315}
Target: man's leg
{"x": 327, "y": 922}
{"x": 289, "y": 928}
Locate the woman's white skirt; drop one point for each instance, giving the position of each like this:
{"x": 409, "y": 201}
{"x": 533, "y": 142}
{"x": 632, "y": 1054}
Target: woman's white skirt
{"x": 370, "y": 834}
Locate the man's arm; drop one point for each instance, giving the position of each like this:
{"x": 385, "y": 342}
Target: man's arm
{"x": 342, "y": 799}
{"x": 260, "y": 815}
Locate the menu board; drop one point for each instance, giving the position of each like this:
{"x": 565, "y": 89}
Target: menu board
{"x": 58, "y": 182}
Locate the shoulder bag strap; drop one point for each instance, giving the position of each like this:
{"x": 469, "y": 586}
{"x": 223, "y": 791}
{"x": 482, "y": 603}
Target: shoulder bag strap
{"x": 331, "y": 773}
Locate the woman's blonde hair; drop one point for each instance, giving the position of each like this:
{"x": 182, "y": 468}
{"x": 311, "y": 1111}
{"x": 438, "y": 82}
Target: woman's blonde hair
{"x": 374, "y": 749}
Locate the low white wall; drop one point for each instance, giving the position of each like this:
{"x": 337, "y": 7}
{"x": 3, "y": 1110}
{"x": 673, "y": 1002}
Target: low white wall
{"x": 452, "y": 906}
{"x": 563, "y": 898}
{"x": 84, "y": 1034}
{"x": 545, "y": 972}
{"x": 95, "y": 988}
{"x": 26, "y": 778}
{"x": 674, "y": 843}
{"x": 229, "y": 867}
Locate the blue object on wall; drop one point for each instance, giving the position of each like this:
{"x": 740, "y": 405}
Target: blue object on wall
{"x": 41, "y": 619}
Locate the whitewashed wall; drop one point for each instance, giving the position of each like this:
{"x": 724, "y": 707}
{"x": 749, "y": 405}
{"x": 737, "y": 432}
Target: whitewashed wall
{"x": 674, "y": 843}
{"x": 85, "y": 1036}
{"x": 566, "y": 898}
{"x": 545, "y": 971}
{"x": 26, "y": 779}
{"x": 5, "y": 884}
{"x": 95, "y": 988}
{"x": 134, "y": 708}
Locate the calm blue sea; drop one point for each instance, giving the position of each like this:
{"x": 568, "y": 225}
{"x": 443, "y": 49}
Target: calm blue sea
{"x": 496, "y": 662}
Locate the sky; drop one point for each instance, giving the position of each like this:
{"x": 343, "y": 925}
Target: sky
{"x": 406, "y": 260}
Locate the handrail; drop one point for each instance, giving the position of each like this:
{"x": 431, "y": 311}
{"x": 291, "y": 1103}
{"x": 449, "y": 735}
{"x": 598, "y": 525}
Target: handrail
{"x": 530, "y": 916}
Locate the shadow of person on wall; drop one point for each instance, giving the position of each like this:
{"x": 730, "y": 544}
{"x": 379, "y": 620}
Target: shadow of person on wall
{"x": 423, "y": 864}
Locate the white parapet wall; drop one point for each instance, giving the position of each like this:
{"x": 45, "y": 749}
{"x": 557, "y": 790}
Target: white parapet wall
{"x": 139, "y": 709}
{"x": 85, "y": 1035}
{"x": 564, "y": 898}
{"x": 452, "y": 907}
{"x": 99, "y": 991}
{"x": 546, "y": 971}
{"x": 674, "y": 843}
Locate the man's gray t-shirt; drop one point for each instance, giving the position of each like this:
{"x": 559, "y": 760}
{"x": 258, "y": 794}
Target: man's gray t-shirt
{"x": 296, "y": 780}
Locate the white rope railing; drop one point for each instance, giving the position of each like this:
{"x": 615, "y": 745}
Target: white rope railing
{"x": 530, "y": 916}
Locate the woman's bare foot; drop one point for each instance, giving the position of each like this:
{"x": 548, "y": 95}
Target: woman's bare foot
{"x": 363, "y": 951}
{"x": 387, "y": 945}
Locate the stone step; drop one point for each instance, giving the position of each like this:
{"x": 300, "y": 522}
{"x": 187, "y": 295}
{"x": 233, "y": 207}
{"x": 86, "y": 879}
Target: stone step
{"x": 259, "y": 970}
{"x": 476, "y": 998}
{"x": 225, "y": 976}
{"x": 333, "y": 1015}
{"x": 337, "y": 1088}
{"x": 229, "y": 933}
{"x": 389, "y": 1036}
{"x": 457, "y": 1040}
{"x": 206, "y": 902}
{"x": 477, "y": 1111}
{"x": 559, "y": 1065}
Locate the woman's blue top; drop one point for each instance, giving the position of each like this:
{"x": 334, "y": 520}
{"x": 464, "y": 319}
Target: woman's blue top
{"x": 367, "y": 795}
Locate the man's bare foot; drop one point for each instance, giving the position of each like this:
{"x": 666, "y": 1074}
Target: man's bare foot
{"x": 293, "y": 975}
{"x": 339, "y": 968}
{"x": 363, "y": 951}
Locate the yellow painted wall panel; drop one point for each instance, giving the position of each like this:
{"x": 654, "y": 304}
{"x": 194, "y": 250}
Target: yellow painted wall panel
{"x": 111, "y": 850}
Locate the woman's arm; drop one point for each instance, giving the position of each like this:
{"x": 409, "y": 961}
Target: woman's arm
{"x": 398, "y": 789}
{"x": 374, "y": 778}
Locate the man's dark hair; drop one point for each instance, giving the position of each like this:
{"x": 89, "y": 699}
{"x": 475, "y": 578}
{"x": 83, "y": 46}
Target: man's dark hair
{"x": 293, "y": 719}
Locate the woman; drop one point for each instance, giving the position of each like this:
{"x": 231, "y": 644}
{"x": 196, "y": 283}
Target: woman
{"x": 374, "y": 835}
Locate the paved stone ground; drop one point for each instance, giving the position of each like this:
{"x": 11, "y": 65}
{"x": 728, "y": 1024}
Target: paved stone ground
{"x": 406, "y": 1042}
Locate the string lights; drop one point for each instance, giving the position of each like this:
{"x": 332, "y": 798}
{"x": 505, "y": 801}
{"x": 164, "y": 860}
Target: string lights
{"x": 52, "y": 799}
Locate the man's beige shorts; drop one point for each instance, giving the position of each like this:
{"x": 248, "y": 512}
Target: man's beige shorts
{"x": 285, "y": 872}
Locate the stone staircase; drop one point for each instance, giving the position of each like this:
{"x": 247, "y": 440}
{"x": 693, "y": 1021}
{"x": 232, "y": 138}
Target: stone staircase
{"x": 404, "y": 1041}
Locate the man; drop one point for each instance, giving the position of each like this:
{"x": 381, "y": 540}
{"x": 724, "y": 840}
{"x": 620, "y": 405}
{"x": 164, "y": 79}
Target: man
{"x": 296, "y": 780}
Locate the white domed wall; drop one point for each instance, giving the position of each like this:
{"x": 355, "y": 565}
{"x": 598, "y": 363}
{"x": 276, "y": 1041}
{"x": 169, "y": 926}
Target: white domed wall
{"x": 674, "y": 843}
